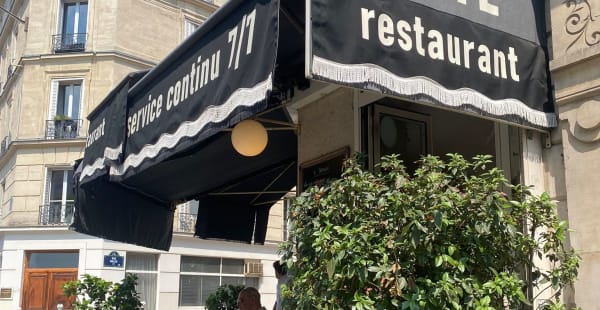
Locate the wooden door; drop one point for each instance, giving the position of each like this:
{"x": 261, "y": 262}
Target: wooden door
{"x": 42, "y": 288}
{"x": 55, "y": 291}
{"x": 35, "y": 290}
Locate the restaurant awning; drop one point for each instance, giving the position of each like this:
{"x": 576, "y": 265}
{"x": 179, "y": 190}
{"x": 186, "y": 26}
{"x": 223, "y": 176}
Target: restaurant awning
{"x": 164, "y": 139}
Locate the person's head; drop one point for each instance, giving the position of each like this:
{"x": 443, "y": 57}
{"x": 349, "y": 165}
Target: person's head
{"x": 249, "y": 299}
{"x": 280, "y": 270}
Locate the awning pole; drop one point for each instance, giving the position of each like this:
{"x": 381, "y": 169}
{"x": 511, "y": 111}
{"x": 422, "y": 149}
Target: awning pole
{"x": 274, "y": 180}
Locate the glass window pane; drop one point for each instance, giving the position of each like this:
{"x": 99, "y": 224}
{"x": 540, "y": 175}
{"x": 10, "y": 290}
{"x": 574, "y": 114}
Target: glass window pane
{"x": 233, "y": 281}
{"x": 70, "y": 190}
{"x": 53, "y": 260}
{"x": 200, "y": 264}
{"x": 403, "y": 136}
{"x": 193, "y": 290}
{"x": 60, "y": 101}
{"x": 141, "y": 262}
{"x": 74, "y": 111}
{"x": 189, "y": 290}
{"x": 83, "y": 7}
{"x": 146, "y": 286}
{"x": 252, "y": 282}
{"x": 56, "y": 185}
{"x": 69, "y": 18}
{"x": 233, "y": 266}
{"x": 210, "y": 284}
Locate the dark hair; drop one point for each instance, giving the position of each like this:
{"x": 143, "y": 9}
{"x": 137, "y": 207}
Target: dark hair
{"x": 251, "y": 295}
{"x": 279, "y": 268}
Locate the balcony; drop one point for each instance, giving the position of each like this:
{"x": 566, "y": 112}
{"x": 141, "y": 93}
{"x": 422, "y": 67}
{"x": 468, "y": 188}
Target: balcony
{"x": 185, "y": 223}
{"x": 63, "y": 129}
{"x": 57, "y": 213}
{"x": 70, "y": 42}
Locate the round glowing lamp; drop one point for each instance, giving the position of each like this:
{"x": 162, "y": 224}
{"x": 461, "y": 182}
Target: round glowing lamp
{"x": 249, "y": 138}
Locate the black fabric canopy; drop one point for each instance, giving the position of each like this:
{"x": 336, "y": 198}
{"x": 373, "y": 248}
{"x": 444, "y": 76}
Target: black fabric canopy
{"x": 164, "y": 140}
{"x": 160, "y": 138}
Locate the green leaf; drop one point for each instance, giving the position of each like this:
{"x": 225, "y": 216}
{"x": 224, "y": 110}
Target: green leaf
{"x": 438, "y": 261}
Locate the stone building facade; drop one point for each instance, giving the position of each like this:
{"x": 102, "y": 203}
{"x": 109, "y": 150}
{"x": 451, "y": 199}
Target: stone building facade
{"x": 58, "y": 60}
{"x": 574, "y": 65}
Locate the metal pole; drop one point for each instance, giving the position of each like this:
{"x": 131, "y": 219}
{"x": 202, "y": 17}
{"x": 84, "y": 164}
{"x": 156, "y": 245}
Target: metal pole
{"x": 13, "y": 15}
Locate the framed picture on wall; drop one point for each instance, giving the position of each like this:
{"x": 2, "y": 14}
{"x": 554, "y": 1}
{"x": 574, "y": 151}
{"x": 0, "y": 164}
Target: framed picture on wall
{"x": 319, "y": 171}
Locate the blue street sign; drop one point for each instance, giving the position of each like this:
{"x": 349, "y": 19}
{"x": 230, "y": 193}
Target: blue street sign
{"x": 113, "y": 260}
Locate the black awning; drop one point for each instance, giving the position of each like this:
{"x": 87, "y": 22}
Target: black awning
{"x": 488, "y": 60}
{"x": 104, "y": 145}
{"x": 251, "y": 53}
{"x": 168, "y": 140}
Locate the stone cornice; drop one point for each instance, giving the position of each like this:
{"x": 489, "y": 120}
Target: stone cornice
{"x": 108, "y": 53}
{"x": 38, "y": 143}
{"x": 574, "y": 58}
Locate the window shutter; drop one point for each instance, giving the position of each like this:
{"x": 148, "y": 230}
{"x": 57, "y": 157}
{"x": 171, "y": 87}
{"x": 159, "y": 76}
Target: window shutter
{"x": 189, "y": 28}
{"x": 47, "y": 186}
{"x": 53, "y": 99}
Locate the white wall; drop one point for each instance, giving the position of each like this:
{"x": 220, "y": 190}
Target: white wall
{"x": 92, "y": 250}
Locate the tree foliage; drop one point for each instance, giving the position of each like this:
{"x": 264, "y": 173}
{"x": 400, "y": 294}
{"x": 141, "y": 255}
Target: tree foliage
{"x": 444, "y": 237}
{"x": 225, "y": 298}
{"x": 96, "y": 293}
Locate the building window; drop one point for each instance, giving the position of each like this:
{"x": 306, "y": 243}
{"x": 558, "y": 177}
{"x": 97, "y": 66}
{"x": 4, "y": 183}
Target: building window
{"x": 65, "y": 109}
{"x": 189, "y": 27}
{"x": 58, "y": 204}
{"x": 145, "y": 267}
{"x": 187, "y": 214}
{"x": 45, "y": 260}
{"x": 394, "y": 131}
{"x": 202, "y": 276}
{"x": 73, "y": 27}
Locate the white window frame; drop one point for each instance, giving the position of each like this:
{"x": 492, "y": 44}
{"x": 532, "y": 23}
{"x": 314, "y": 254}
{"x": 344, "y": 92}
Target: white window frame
{"x": 64, "y": 192}
{"x": 54, "y": 91}
{"x": 188, "y": 24}
{"x": 60, "y": 17}
{"x": 220, "y": 274}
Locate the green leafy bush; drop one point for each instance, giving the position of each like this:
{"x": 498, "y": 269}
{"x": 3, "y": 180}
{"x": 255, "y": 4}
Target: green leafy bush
{"x": 98, "y": 294}
{"x": 225, "y": 298}
{"x": 442, "y": 238}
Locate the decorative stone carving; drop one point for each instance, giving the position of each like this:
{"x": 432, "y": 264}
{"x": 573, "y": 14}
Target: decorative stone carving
{"x": 584, "y": 123}
{"x": 582, "y": 23}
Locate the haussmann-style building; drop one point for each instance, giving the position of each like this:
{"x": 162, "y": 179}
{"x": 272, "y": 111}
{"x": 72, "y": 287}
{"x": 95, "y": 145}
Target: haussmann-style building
{"x": 59, "y": 59}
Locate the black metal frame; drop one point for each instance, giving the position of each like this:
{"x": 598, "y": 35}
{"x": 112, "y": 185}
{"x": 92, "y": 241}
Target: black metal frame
{"x": 69, "y": 42}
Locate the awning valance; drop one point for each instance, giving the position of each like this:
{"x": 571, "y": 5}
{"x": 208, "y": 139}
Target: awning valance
{"x": 486, "y": 59}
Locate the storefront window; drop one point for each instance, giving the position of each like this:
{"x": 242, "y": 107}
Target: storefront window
{"x": 202, "y": 276}
{"x": 145, "y": 267}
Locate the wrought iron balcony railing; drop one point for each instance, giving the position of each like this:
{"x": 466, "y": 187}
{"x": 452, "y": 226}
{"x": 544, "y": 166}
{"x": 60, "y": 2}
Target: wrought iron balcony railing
{"x": 185, "y": 223}
{"x": 69, "y": 42}
{"x": 63, "y": 129}
{"x": 57, "y": 213}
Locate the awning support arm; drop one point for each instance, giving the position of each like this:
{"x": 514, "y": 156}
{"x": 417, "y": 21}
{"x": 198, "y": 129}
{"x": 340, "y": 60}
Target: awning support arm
{"x": 247, "y": 193}
{"x": 293, "y": 163}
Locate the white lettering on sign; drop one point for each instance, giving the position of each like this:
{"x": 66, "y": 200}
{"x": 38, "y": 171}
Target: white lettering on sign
{"x": 432, "y": 43}
{"x": 485, "y": 6}
{"x": 201, "y": 73}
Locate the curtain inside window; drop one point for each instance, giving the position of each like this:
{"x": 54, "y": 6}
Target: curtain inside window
{"x": 144, "y": 266}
